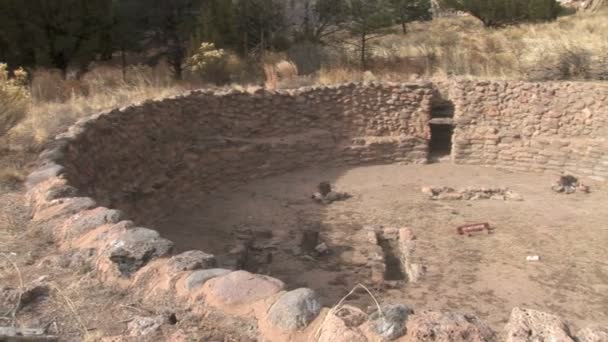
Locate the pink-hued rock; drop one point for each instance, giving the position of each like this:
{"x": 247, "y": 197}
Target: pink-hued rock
{"x": 42, "y": 174}
{"x": 85, "y": 221}
{"x": 342, "y": 325}
{"x": 526, "y": 325}
{"x": 238, "y": 289}
{"x": 438, "y": 326}
{"x": 40, "y": 196}
{"x": 63, "y": 207}
{"x": 593, "y": 334}
{"x": 406, "y": 234}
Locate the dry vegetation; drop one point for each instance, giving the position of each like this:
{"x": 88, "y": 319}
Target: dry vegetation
{"x": 573, "y": 47}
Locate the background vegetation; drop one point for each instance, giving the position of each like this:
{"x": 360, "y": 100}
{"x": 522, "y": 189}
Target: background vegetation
{"x": 69, "y": 58}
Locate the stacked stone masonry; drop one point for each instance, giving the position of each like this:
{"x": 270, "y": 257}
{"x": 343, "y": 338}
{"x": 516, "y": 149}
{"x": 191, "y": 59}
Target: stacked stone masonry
{"x": 204, "y": 140}
{"x": 559, "y": 127}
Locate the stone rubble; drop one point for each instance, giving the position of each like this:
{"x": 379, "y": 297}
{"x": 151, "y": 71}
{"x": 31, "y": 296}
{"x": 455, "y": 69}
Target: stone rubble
{"x": 471, "y": 194}
{"x": 568, "y": 185}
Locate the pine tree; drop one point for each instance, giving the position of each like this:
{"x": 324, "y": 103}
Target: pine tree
{"x": 493, "y": 13}
{"x": 410, "y": 10}
{"x": 367, "y": 20}
{"x": 59, "y": 34}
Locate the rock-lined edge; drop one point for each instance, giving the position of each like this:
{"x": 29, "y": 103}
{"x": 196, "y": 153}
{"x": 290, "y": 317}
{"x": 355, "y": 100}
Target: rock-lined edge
{"x": 138, "y": 259}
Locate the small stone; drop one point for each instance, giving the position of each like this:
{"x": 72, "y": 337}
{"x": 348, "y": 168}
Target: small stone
{"x": 143, "y": 326}
{"x": 391, "y": 323}
{"x": 322, "y": 248}
{"x": 531, "y": 325}
{"x": 198, "y": 278}
{"x": 295, "y": 310}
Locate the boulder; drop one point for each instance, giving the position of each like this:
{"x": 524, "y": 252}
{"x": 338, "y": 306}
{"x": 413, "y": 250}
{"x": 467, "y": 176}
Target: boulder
{"x": 192, "y": 260}
{"x": 531, "y": 325}
{"x": 198, "y": 278}
{"x": 593, "y": 334}
{"x": 240, "y": 288}
{"x": 64, "y": 207}
{"x": 135, "y": 248}
{"x": 390, "y": 324}
{"x": 437, "y": 326}
{"x": 40, "y": 175}
{"x": 85, "y": 221}
{"x": 295, "y": 310}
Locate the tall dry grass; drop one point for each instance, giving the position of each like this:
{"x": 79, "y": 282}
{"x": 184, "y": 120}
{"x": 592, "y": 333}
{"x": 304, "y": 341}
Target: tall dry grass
{"x": 14, "y": 98}
{"x": 462, "y": 46}
{"x": 57, "y": 103}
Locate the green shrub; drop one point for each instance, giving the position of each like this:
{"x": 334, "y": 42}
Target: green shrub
{"x": 506, "y": 12}
{"x": 14, "y": 98}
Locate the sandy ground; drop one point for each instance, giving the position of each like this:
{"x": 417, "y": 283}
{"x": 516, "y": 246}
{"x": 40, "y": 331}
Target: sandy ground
{"x": 484, "y": 274}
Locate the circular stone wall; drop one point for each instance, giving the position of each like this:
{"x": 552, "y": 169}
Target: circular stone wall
{"x": 136, "y": 159}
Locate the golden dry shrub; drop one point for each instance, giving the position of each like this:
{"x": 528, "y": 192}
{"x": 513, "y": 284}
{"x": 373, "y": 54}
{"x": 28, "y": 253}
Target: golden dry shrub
{"x": 281, "y": 72}
{"x": 210, "y": 63}
{"x": 14, "y": 98}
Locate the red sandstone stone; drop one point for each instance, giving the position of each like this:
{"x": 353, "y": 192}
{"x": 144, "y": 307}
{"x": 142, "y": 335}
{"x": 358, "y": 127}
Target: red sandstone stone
{"x": 240, "y": 288}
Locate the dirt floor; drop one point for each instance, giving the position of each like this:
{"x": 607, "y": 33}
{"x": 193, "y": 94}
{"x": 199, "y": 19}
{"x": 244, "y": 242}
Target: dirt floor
{"x": 484, "y": 274}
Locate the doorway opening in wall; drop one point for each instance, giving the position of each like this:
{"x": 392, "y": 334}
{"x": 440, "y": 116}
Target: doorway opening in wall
{"x": 440, "y": 146}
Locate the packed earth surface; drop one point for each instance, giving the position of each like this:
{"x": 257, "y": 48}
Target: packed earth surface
{"x": 482, "y": 274}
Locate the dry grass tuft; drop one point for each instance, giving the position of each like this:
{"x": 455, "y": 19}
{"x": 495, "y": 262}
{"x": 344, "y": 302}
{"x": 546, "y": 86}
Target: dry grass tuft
{"x": 14, "y": 98}
{"x": 283, "y": 72}
{"x": 11, "y": 176}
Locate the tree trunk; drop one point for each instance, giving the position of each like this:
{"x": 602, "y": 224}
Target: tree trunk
{"x": 403, "y": 24}
{"x": 363, "y": 51}
{"x": 123, "y": 60}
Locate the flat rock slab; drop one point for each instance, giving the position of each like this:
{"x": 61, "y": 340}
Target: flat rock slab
{"x": 198, "y": 278}
{"x": 240, "y": 287}
{"x": 437, "y": 326}
{"x": 295, "y": 310}
{"x": 526, "y": 325}
{"x": 192, "y": 260}
{"x": 64, "y": 207}
{"x": 88, "y": 220}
